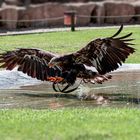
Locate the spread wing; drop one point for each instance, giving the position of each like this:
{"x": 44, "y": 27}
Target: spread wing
{"x": 106, "y": 54}
{"x": 33, "y": 62}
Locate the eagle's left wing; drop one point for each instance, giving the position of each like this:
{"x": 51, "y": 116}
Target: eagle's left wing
{"x": 105, "y": 54}
{"x": 33, "y": 62}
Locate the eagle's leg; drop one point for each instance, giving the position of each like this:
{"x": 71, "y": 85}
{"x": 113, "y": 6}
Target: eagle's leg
{"x": 69, "y": 78}
{"x": 94, "y": 77}
{"x": 100, "y": 78}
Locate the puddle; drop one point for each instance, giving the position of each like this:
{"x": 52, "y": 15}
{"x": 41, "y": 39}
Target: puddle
{"x": 15, "y": 79}
{"x": 17, "y": 90}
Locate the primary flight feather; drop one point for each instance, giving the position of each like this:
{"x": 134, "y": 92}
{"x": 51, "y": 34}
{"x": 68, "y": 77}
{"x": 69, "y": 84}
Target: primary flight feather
{"x": 105, "y": 54}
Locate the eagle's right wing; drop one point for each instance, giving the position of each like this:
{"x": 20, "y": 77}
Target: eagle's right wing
{"x": 33, "y": 62}
{"x": 106, "y": 54}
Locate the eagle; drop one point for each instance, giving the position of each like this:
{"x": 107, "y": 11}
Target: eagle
{"x": 104, "y": 54}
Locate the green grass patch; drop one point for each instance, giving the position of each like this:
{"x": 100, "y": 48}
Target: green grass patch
{"x": 67, "y": 42}
{"x": 70, "y": 124}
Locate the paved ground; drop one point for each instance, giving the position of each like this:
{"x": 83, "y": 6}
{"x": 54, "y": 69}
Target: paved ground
{"x": 42, "y": 30}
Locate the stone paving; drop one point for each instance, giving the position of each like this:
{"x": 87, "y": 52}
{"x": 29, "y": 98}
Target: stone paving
{"x": 43, "y": 30}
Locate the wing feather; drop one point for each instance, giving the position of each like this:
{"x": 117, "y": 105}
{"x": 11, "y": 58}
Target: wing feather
{"x": 33, "y": 62}
{"x": 118, "y": 32}
{"x": 33, "y": 70}
{"x": 106, "y": 54}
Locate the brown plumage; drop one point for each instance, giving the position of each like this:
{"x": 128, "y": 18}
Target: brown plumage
{"x": 105, "y": 54}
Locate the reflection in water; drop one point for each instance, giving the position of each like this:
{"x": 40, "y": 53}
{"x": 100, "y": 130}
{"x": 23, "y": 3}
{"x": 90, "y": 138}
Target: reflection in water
{"x": 122, "y": 90}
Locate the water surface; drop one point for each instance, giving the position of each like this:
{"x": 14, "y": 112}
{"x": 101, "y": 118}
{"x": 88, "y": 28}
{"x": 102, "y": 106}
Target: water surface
{"x": 17, "y": 90}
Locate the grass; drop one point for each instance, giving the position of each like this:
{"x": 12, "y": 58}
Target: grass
{"x": 66, "y": 42}
{"x": 69, "y": 123}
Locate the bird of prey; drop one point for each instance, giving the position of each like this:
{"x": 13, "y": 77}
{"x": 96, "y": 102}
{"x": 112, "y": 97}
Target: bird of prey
{"x": 104, "y": 54}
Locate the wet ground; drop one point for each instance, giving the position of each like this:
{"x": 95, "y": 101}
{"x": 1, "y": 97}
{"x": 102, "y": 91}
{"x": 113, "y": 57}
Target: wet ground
{"x": 20, "y": 91}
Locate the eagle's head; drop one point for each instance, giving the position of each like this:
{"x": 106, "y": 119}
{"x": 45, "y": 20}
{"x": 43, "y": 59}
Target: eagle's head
{"x": 60, "y": 61}
{"x": 56, "y": 61}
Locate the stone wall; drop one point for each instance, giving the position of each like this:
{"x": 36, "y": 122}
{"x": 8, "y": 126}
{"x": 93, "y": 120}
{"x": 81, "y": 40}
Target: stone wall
{"x": 43, "y": 15}
{"x": 24, "y": 2}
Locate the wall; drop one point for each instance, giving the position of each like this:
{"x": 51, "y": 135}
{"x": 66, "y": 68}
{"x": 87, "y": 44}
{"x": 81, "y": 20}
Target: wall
{"x": 51, "y": 14}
